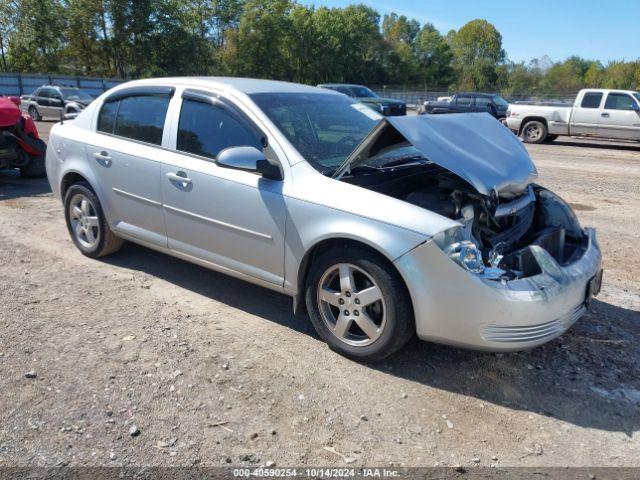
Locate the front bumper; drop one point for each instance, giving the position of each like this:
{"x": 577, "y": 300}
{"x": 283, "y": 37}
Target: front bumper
{"x": 455, "y": 307}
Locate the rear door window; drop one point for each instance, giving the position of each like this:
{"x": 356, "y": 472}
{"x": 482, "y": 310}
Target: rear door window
{"x": 619, "y": 101}
{"x": 206, "y": 129}
{"x": 139, "y": 117}
{"x": 142, "y": 118}
{"x": 591, "y": 100}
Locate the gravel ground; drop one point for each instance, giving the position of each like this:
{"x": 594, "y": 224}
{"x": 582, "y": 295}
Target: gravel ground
{"x": 143, "y": 359}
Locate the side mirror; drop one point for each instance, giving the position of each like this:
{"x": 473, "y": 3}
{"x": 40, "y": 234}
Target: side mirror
{"x": 249, "y": 159}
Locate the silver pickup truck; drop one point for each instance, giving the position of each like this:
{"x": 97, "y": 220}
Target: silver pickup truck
{"x": 596, "y": 112}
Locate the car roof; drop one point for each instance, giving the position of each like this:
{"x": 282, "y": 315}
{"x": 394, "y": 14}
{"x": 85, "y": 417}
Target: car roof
{"x": 324, "y": 85}
{"x": 611, "y": 90}
{"x": 51, "y": 85}
{"x": 245, "y": 85}
{"x": 477, "y": 94}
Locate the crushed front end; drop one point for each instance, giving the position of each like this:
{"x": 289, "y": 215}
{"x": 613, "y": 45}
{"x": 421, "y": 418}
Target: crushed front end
{"x": 509, "y": 278}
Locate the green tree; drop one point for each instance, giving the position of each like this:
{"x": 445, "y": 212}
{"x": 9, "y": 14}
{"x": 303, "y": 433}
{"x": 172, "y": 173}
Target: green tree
{"x": 477, "y": 49}
{"x": 84, "y": 50}
{"x": 565, "y": 78}
{"x": 262, "y": 34}
{"x": 434, "y": 57}
{"x": 37, "y": 42}
{"x": 623, "y": 75}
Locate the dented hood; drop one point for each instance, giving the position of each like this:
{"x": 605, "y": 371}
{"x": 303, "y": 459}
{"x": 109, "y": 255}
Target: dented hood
{"x": 474, "y": 146}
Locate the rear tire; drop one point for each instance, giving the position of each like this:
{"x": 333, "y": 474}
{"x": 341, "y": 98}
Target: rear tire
{"x": 87, "y": 223}
{"x": 367, "y": 317}
{"x": 34, "y": 114}
{"x": 534, "y": 131}
{"x": 35, "y": 168}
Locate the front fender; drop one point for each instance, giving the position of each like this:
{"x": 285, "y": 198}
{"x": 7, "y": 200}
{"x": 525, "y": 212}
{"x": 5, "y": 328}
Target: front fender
{"x": 309, "y": 224}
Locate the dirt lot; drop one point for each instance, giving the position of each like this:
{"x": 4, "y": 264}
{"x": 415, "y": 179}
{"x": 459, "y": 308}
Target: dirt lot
{"x": 213, "y": 371}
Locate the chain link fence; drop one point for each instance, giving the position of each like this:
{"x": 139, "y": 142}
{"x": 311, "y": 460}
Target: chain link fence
{"x": 21, "y": 84}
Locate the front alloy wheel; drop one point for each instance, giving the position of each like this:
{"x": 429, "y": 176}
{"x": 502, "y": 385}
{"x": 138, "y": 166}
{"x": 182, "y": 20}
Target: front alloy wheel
{"x": 358, "y": 303}
{"x": 351, "y": 304}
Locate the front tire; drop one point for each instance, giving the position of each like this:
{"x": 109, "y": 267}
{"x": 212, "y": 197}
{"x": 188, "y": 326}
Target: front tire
{"x": 358, "y": 304}
{"x": 534, "y": 131}
{"x": 34, "y": 114}
{"x": 87, "y": 223}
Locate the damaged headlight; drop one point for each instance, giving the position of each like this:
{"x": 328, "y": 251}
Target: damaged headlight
{"x": 457, "y": 246}
{"x": 466, "y": 254}
{"x": 460, "y": 249}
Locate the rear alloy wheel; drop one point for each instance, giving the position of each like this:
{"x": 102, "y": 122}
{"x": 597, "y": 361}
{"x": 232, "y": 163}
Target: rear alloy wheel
{"x": 33, "y": 113}
{"x": 358, "y": 304}
{"x": 87, "y": 224}
{"x": 534, "y": 132}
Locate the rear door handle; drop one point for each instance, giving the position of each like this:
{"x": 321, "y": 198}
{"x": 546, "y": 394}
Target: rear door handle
{"x": 180, "y": 177}
{"x": 103, "y": 157}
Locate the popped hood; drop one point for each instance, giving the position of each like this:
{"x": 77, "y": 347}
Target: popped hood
{"x": 474, "y": 146}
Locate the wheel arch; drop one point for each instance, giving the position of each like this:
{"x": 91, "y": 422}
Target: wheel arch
{"x": 74, "y": 175}
{"x": 530, "y": 119}
{"x": 324, "y": 245}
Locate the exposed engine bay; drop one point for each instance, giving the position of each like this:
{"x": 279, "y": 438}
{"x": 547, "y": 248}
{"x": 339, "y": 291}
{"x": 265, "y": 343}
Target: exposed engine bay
{"x": 501, "y": 229}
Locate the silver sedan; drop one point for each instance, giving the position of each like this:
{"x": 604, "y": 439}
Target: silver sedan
{"x": 379, "y": 228}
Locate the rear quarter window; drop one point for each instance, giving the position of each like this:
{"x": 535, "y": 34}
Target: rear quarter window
{"x": 591, "y": 100}
{"x": 107, "y": 117}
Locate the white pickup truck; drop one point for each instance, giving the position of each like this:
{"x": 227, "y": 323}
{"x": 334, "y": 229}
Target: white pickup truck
{"x": 595, "y": 112}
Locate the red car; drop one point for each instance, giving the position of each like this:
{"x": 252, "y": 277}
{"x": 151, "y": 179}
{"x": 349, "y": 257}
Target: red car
{"x": 20, "y": 144}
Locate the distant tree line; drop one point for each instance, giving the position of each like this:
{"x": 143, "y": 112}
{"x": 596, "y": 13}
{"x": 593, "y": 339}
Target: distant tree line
{"x": 277, "y": 39}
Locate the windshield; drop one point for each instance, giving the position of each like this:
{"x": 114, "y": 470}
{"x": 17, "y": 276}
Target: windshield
{"x": 362, "y": 92}
{"x": 498, "y": 100}
{"x": 75, "y": 94}
{"x": 325, "y": 128}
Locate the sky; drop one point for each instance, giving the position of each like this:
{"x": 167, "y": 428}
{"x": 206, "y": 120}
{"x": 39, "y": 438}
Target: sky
{"x": 602, "y": 30}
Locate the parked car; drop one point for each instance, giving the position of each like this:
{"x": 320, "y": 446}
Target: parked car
{"x": 386, "y": 106}
{"x": 596, "y": 113}
{"x": 379, "y": 227}
{"x": 468, "y": 102}
{"x": 52, "y": 101}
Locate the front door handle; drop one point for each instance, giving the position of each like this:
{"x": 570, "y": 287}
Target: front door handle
{"x": 180, "y": 177}
{"x": 605, "y": 115}
{"x": 103, "y": 157}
